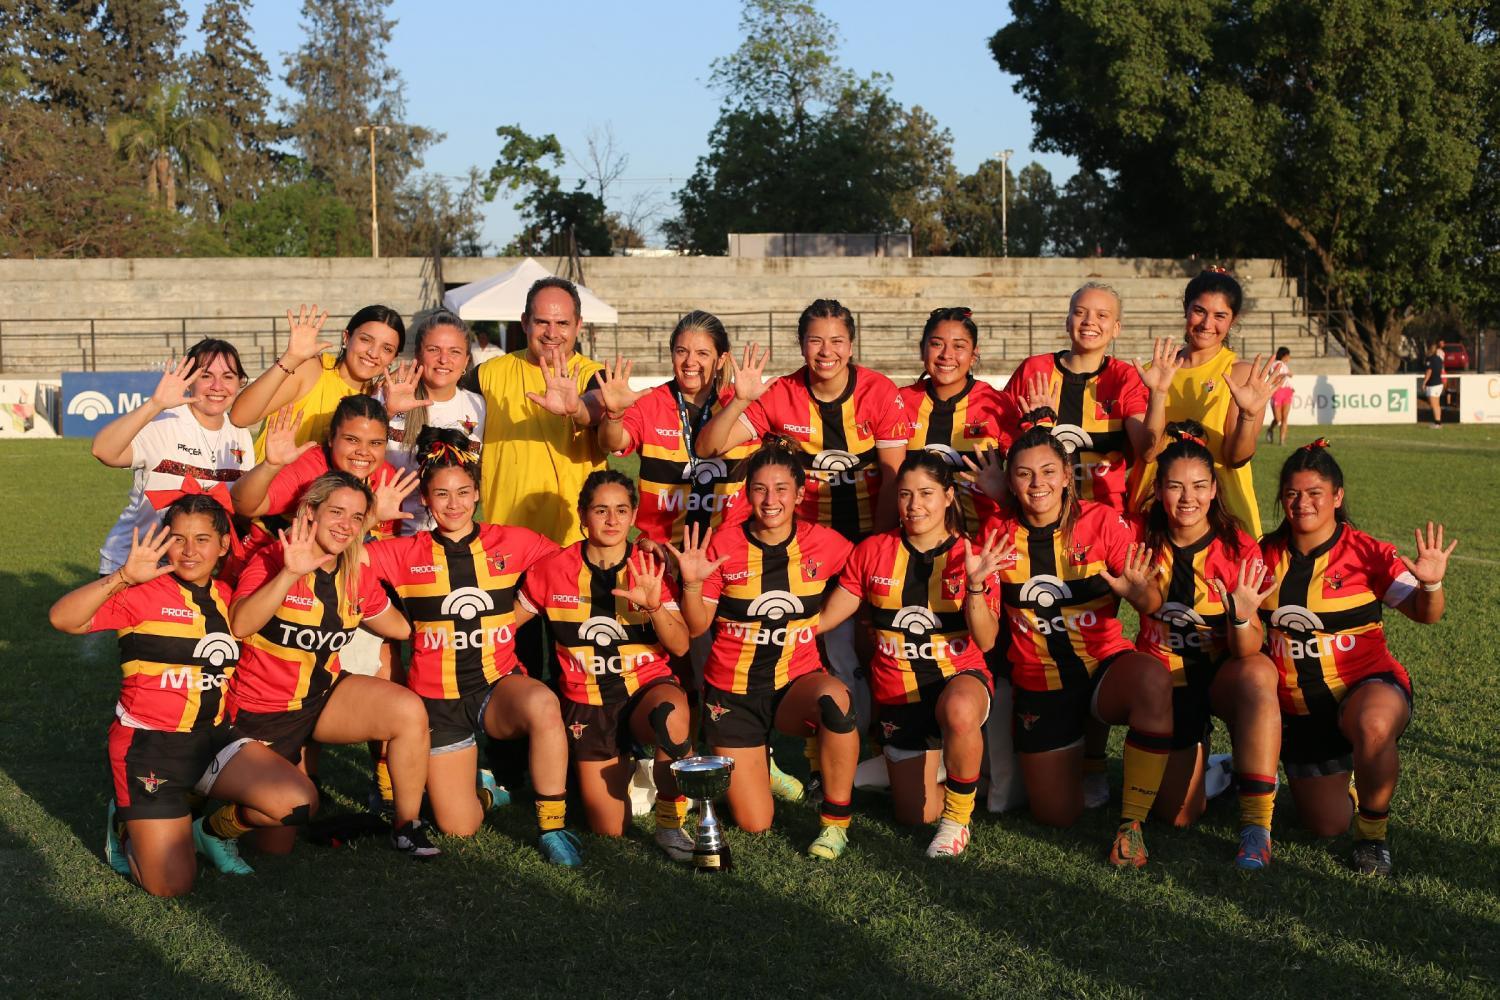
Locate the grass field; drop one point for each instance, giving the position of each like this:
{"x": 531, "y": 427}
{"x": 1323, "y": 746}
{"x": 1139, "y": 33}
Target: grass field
{"x": 1028, "y": 911}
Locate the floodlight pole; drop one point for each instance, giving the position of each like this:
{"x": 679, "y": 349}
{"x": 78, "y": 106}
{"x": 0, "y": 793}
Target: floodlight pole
{"x": 1005, "y": 156}
{"x": 371, "y": 128}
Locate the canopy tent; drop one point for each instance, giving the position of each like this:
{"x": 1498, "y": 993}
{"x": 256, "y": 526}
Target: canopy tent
{"x": 503, "y": 297}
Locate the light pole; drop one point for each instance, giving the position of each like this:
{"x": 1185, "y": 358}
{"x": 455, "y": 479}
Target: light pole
{"x": 1005, "y": 155}
{"x": 372, "y": 128}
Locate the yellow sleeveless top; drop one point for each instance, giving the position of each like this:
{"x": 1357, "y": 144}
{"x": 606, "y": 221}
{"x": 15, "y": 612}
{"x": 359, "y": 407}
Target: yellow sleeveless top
{"x": 1202, "y": 394}
{"x": 317, "y": 406}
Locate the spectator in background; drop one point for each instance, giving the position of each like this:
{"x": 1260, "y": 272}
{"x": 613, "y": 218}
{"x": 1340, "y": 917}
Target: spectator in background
{"x": 1432, "y": 384}
{"x": 484, "y": 348}
{"x": 1281, "y": 399}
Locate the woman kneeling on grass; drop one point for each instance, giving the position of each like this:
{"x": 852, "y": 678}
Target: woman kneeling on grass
{"x": 1207, "y": 632}
{"x": 1345, "y": 701}
{"x": 296, "y": 605}
{"x": 935, "y": 604}
{"x": 613, "y": 648}
{"x": 168, "y": 739}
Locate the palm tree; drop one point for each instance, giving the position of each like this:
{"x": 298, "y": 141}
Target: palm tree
{"x": 168, "y": 135}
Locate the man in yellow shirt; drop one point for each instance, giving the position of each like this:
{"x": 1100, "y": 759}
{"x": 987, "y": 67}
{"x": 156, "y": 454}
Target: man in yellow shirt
{"x": 537, "y": 445}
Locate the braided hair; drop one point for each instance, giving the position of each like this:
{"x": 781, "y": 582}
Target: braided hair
{"x": 444, "y": 448}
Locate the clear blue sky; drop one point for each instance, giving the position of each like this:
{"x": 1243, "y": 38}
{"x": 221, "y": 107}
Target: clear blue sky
{"x": 642, "y": 67}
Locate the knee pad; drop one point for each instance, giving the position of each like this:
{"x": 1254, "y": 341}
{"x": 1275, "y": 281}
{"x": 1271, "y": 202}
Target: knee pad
{"x": 658, "y": 719}
{"x": 835, "y": 719}
{"x": 298, "y": 816}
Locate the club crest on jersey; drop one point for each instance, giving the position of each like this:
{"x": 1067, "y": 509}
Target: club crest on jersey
{"x": 951, "y": 586}
{"x": 498, "y": 562}
{"x": 810, "y": 568}
{"x": 1210, "y": 385}
{"x": 150, "y": 782}
{"x": 469, "y": 425}
{"x": 975, "y": 429}
{"x": 864, "y": 428}
{"x": 238, "y": 453}
{"x": 577, "y": 729}
{"x": 1333, "y": 581}
{"x": 1105, "y": 406}
{"x": 889, "y": 728}
{"x": 717, "y": 712}
{"x": 1080, "y": 553}
{"x": 1028, "y": 720}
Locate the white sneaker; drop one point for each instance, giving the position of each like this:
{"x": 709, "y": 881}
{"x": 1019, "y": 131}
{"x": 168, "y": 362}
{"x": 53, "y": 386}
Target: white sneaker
{"x": 1095, "y": 790}
{"x": 675, "y": 842}
{"x": 949, "y": 841}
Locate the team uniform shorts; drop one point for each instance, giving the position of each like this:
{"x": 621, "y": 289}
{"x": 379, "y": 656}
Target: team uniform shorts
{"x": 602, "y": 732}
{"x": 740, "y": 720}
{"x": 1053, "y": 720}
{"x": 1313, "y": 745}
{"x": 286, "y": 733}
{"x": 1192, "y": 715}
{"x": 908, "y": 729}
{"x": 152, "y": 772}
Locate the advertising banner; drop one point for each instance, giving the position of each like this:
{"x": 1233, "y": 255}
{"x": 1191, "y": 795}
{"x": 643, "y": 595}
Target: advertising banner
{"x": 92, "y": 399}
{"x": 1353, "y": 399}
{"x": 1478, "y": 398}
{"x": 28, "y": 408}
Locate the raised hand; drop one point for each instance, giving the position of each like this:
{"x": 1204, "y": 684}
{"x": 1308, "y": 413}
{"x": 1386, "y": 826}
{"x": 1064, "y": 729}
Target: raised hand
{"x": 1252, "y": 395}
{"x": 987, "y": 473}
{"x": 1039, "y": 392}
{"x": 983, "y": 563}
{"x": 749, "y": 374}
{"x": 614, "y": 391}
{"x": 1166, "y": 359}
{"x": 1134, "y": 581}
{"x": 1432, "y": 559}
{"x": 644, "y": 573}
{"x": 1253, "y": 587}
{"x": 281, "y": 436}
{"x": 146, "y": 554}
{"x": 693, "y": 564}
{"x": 175, "y": 387}
{"x": 305, "y": 327}
{"x": 561, "y": 395}
{"x": 300, "y": 552}
{"x": 401, "y": 389}
{"x": 390, "y": 492}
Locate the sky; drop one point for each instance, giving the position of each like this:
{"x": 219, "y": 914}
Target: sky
{"x": 641, "y": 69}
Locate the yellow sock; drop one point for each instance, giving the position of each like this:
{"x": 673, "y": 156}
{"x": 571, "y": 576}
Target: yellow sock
{"x": 227, "y": 822}
{"x": 835, "y": 813}
{"x": 1353, "y": 792}
{"x": 958, "y": 799}
{"x": 1145, "y": 762}
{"x": 810, "y": 751}
{"x": 670, "y": 813}
{"x": 1370, "y": 825}
{"x": 551, "y": 812}
{"x": 1257, "y": 798}
{"x": 383, "y": 779}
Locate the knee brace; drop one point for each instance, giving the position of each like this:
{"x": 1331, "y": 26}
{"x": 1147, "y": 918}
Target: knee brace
{"x": 658, "y": 719}
{"x": 298, "y": 816}
{"x": 835, "y": 719}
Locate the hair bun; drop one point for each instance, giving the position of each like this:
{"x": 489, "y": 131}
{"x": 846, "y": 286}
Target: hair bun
{"x": 1188, "y": 430}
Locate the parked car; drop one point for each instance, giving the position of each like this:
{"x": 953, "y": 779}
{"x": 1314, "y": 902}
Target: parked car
{"x": 1455, "y": 356}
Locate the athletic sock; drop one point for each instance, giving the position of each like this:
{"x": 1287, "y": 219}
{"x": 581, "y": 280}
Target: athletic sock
{"x": 1146, "y": 756}
{"x": 383, "y": 779}
{"x": 1094, "y": 765}
{"x": 227, "y": 822}
{"x": 1257, "y": 798}
{"x": 671, "y": 813}
{"x": 551, "y": 812}
{"x": 1370, "y": 825}
{"x": 835, "y": 813}
{"x": 814, "y": 769}
{"x": 1353, "y": 792}
{"x": 958, "y": 799}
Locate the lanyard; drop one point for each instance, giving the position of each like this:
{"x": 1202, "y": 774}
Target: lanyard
{"x": 689, "y": 432}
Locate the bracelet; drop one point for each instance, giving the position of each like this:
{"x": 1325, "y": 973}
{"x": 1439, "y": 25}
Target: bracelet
{"x": 1240, "y": 622}
{"x": 284, "y": 368}
{"x": 976, "y": 593}
{"x": 1433, "y": 588}
{"x": 651, "y": 611}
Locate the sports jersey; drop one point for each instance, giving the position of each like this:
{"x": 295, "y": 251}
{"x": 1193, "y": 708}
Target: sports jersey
{"x": 285, "y": 493}
{"x": 464, "y": 412}
{"x": 460, "y": 597}
{"x": 1324, "y": 616}
{"x": 606, "y": 646}
{"x": 769, "y": 597}
{"x": 1091, "y": 414}
{"x": 978, "y": 418}
{"x": 1059, "y": 610}
{"x": 534, "y": 461}
{"x": 1188, "y": 633}
{"x": 317, "y": 406}
{"x": 172, "y": 446}
{"x": 838, "y": 440}
{"x": 294, "y": 657}
{"x": 176, "y": 652}
{"x": 917, "y": 603}
{"x": 677, "y": 487}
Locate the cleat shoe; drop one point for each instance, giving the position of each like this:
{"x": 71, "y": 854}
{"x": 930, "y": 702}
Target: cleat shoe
{"x": 813, "y": 790}
{"x": 1095, "y": 790}
{"x": 499, "y": 797}
{"x": 225, "y": 854}
{"x": 1255, "y": 849}
{"x": 784, "y": 786}
{"x": 1372, "y": 857}
{"x": 1129, "y": 848}
{"x": 560, "y": 847}
{"x": 114, "y": 849}
{"x": 830, "y": 843}
{"x": 950, "y": 840}
{"x": 412, "y": 841}
{"x": 675, "y": 842}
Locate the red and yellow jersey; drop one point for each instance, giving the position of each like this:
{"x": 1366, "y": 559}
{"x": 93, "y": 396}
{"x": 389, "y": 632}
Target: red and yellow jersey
{"x": 917, "y": 604}
{"x": 838, "y": 440}
{"x": 978, "y": 418}
{"x": 1324, "y": 616}
{"x": 460, "y": 597}
{"x": 606, "y": 646}
{"x": 285, "y": 493}
{"x": 769, "y": 598}
{"x": 1059, "y": 610}
{"x": 677, "y": 487}
{"x": 1091, "y": 415}
{"x": 176, "y": 652}
{"x": 294, "y": 657}
{"x": 1188, "y": 632}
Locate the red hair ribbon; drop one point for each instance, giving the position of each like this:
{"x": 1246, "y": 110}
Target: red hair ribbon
{"x": 1320, "y": 444}
{"x": 1217, "y": 269}
{"x": 162, "y": 499}
{"x": 438, "y": 449}
{"x": 1042, "y": 416}
{"x": 1185, "y": 436}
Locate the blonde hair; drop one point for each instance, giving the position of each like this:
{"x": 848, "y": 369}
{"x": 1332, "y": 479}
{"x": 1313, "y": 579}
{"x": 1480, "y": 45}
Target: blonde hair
{"x": 1099, "y": 286}
{"x": 346, "y": 574}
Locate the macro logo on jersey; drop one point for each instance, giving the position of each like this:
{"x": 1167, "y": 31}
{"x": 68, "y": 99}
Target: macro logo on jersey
{"x": 1073, "y": 438}
{"x": 836, "y": 466}
{"x": 678, "y": 487}
{"x": 776, "y": 605}
{"x": 217, "y": 649}
{"x": 602, "y": 631}
{"x": 706, "y": 472}
{"x": 1292, "y": 618}
{"x": 467, "y": 603}
{"x": 948, "y": 452}
{"x": 1174, "y": 613}
{"x": 915, "y": 620}
{"x": 1044, "y": 591}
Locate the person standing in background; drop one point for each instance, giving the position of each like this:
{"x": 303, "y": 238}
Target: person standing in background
{"x": 1432, "y": 384}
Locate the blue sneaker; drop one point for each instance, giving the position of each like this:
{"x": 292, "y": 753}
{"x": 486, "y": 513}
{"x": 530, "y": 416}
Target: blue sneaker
{"x": 560, "y": 847}
{"x": 499, "y": 795}
{"x": 114, "y": 851}
{"x": 225, "y": 854}
{"x": 1255, "y": 849}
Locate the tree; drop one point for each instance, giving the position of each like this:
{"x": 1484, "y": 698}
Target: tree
{"x": 227, "y": 80}
{"x": 971, "y": 212}
{"x": 168, "y": 137}
{"x": 1346, "y": 132}
{"x": 603, "y": 164}
{"x": 548, "y": 213}
{"x": 297, "y": 217}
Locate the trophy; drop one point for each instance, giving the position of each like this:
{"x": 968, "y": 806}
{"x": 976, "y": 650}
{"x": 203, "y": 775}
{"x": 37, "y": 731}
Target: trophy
{"x": 703, "y": 779}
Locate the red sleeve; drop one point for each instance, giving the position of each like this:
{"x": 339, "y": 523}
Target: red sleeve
{"x": 535, "y": 547}
{"x": 1116, "y": 535}
{"x": 838, "y": 548}
{"x": 1134, "y": 396}
{"x": 1015, "y": 388}
{"x": 891, "y": 420}
{"x": 287, "y": 487}
{"x": 634, "y": 422}
{"x": 1385, "y": 568}
{"x": 123, "y": 610}
{"x": 668, "y": 593}
{"x": 761, "y": 413}
{"x": 389, "y": 560}
{"x": 372, "y": 596}
{"x": 857, "y": 566}
{"x": 263, "y": 565}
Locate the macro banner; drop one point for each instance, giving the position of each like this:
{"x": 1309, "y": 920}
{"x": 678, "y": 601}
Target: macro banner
{"x": 92, "y": 399}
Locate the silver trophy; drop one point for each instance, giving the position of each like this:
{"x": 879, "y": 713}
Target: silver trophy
{"x": 704, "y": 779}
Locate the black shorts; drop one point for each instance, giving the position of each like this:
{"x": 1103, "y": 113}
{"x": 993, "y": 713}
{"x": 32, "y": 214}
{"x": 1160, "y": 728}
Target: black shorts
{"x": 152, "y": 772}
{"x": 1050, "y": 720}
{"x": 456, "y": 723}
{"x": 1192, "y": 716}
{"x": 1313, "y": 745}
{"x": 740, "y": 720}
{"x": 913, "y": 726}
{"x": 602, "y": 732}
{"x": 288, "y": 732}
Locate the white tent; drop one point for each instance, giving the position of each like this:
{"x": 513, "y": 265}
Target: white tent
{"x": 503, "y": 297}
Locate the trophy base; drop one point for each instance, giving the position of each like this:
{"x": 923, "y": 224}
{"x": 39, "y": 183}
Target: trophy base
{"x": 712, "y": 862}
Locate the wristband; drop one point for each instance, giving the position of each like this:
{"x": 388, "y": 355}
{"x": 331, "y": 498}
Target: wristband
{"x": 1433, "y": 588}
{"x": 1240, "y": 622}
{"x": 976, "y": 593}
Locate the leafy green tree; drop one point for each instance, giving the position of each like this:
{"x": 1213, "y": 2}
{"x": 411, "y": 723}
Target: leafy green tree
{"x": 971, "y": 212}
{"x": 548, "y": 213}
{"x": 168, "y": 137}
{"x": 227, "y": 81}
{"x": 295, "y": 218}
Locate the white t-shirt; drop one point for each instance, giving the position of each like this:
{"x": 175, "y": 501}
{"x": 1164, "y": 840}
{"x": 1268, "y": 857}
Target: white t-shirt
{"x": 173, "y": 446}
{"x": 465, "y": 412}
{"x": 478, "y": 355}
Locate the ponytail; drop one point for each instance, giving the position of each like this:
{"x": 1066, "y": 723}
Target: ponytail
{"x": 1189, "y": 443}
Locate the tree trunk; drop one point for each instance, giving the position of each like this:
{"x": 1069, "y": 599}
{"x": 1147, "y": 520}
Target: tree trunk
{"x": 169, "y": 182}
{"x": 151, "y": 190}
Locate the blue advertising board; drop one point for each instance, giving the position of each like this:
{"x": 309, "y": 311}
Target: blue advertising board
{"x": 92, "y": 399}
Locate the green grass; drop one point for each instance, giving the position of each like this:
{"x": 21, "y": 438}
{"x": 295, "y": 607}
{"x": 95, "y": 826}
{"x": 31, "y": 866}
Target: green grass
{"x": 1028, "y": 911}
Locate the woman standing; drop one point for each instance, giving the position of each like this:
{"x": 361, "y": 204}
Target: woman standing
{"x": 1281, "y": 399}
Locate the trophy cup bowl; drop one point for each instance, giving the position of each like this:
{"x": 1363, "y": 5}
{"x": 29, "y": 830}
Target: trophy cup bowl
{"x": 705, "y": 779}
